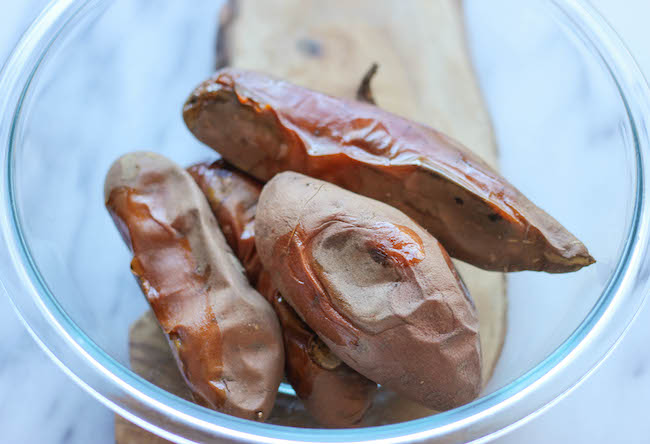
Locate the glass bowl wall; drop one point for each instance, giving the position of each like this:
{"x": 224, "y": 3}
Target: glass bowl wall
{"x": 92, "y": 80}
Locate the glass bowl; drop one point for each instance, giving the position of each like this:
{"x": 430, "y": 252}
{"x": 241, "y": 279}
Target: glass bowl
{"x": 92, "y": 79}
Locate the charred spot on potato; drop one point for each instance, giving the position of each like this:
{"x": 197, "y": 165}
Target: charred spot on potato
{"x": 494, "y": 217}
{"x": 379, "y": 256}
{"x": 458, "y": 201}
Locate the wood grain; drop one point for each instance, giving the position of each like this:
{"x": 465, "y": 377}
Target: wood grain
{"x": 425, "y": 74}
{"x": 151, "y": 358}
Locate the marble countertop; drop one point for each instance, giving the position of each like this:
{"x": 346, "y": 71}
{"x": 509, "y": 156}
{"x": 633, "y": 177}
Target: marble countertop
{"x": 610, "y": 406}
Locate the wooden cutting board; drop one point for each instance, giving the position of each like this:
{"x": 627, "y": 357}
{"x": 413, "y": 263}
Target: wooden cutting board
{"x": 425, "y": 74}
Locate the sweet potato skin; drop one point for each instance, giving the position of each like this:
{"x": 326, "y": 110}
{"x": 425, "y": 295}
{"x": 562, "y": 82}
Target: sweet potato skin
{"x": 333, "y": 393}
{"x": 233, "y": 199}
{"x": 264, "y": 126}
{"x": 378, "y": 289}
{"x": 224, "y": 335}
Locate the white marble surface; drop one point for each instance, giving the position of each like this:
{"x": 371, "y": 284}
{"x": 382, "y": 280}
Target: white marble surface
{"x": 608, "y": 407}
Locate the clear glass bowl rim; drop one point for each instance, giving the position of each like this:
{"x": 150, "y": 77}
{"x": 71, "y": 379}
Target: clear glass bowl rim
{"x": 173, "y": 418}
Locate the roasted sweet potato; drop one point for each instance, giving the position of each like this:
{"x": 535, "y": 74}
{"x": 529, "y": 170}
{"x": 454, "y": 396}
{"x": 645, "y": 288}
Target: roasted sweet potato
{"x": 376, "y": 287}
{"x": 264, "y": 126}
{"x": 333, "y": 393}
{"x": 224, "y": 335}
{"x": 233, "y": 198}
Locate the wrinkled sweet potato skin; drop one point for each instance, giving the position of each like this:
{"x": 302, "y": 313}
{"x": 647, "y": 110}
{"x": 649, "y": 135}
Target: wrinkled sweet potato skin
{"x": 264, "y": 126}
{"x": 333, "y": 393}
{"x": 233, "y": 199}
{"x": 377, "y": 288}
{"x": 224, "y": 335}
